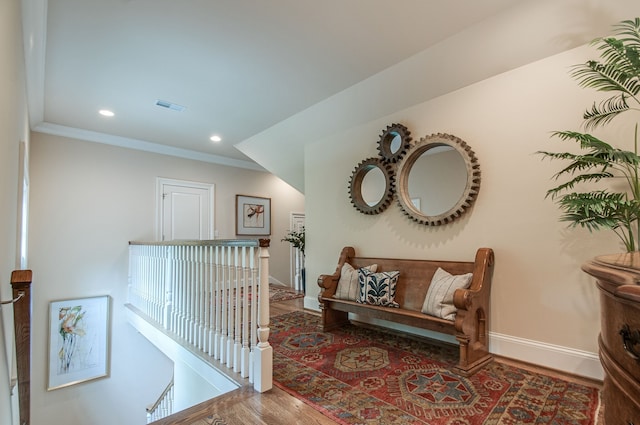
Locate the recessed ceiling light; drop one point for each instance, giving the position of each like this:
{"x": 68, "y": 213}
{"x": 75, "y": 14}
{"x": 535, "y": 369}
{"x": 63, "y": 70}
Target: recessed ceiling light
{"x": 106, "y": 113}
{"x": 215, "y": 138}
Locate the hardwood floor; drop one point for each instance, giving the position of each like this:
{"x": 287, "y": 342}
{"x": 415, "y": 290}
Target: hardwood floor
{"x": 276, "y": 407}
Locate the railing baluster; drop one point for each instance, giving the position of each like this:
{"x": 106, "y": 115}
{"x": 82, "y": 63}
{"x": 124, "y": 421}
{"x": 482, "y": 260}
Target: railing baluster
{"x": 246, "y": 300}
{"x": 184, "y": 289}
{"x": 253, "y": 338}
{"x": 197, "y": 301}
{"x": 230, "y": 309}
{"x": 217, "y": 303}
{"x": 172, "y": 253}
{"x": 240, "y": 295}
{"x": 190, "y": 296}
{"x": 224, "y": 304}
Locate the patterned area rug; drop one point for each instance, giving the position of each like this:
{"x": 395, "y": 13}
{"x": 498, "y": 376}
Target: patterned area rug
{"x": 362, "y": 376}
{"x": 280, "y": 293}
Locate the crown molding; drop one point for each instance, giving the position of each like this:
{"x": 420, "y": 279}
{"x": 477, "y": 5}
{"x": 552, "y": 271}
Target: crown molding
{"x": 141, "y": 145}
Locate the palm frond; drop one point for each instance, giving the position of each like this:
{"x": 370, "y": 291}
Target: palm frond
{"x": 630, "y": 29}
{"x": 606, "y": 77}
{"x": 582, "y": 178}
{"x": 624, "y": 56}
{"x": 584, "y": 163}
{"x": 581, "y": 161}
{"x": 605, "y": 111}
{"x": 587, "y": 141}
{"x": 599, "y": 209}
{"x": 599, "y": 151}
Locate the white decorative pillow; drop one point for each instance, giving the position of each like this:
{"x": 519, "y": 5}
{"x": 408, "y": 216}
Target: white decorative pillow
{"x": 439, "y": 299}
{"x": 348, "y": 287}
{"x": 378, "y": 288}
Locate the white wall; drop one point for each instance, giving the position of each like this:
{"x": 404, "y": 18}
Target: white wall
{"x": 539, "y": 293}
{"x": 13, "y": 132}
{"x": 87, "y": 201}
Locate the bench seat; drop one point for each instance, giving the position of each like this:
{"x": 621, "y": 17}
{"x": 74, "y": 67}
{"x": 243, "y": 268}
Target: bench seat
{"x": 470, "y": 326}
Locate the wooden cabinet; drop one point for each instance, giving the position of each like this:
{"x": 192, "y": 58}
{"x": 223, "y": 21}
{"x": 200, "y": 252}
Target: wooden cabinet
{"x": 618, "y": 279}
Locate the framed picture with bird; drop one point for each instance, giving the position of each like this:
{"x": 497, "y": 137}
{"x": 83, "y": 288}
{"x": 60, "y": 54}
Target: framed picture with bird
{"x": 253, "y": 216}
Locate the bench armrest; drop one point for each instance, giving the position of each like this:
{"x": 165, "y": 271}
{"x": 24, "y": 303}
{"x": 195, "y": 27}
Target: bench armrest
{"x": 328, "y": 284}
{"x": 473, "y": 303}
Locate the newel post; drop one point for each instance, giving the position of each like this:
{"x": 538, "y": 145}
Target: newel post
{"x": 21, "y": 285}
{"x": 263, "y": 379}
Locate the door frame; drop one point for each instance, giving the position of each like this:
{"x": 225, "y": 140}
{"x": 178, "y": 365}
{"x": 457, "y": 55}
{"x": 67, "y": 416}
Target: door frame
{"x": 162, "y": 181}
{"x": 296, "y": 262}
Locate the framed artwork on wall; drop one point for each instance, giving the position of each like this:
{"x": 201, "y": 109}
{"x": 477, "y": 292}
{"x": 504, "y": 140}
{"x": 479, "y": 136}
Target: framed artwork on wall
{"x": 253, "y": 216}
{"x": 78, "y": 341}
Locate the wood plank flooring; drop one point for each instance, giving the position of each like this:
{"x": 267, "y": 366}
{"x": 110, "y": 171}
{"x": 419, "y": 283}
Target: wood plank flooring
{"x": 276, "y": 407}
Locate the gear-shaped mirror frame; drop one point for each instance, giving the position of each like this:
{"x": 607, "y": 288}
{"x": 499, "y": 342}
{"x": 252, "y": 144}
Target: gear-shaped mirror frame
{"x": 355, "y": 186}
{"x": 469, "y": 193}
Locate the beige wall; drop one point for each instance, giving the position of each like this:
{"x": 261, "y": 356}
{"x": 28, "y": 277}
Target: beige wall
{"x": 87, "y": 201}
{"x": 13, "y": 131}
{"x": 539, "y": 292}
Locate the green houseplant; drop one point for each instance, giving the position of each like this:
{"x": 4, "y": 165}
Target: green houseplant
{"x": 295, "y": 238}
{"x": 618, "y": 74}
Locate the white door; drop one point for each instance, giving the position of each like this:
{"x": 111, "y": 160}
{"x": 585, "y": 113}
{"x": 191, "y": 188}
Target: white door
{"x": 185, "y": 210}
{"x": 296, "y": 222}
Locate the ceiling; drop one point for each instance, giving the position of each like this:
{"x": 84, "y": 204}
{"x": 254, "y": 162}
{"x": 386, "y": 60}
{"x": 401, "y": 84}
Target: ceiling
{"x": 238, "y": 67}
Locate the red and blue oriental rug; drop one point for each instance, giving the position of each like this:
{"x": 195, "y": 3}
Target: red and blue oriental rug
{"x": 357, "y": 375}
{"x": 283, "y": 293}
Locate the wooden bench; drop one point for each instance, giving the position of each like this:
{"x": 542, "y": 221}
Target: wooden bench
{"x": 471, "y": 323}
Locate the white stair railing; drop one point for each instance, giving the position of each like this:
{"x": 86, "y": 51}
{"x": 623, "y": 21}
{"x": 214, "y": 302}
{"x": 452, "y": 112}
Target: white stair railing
{"x": 212, "y": 294}
{"x": 163, "y": 407}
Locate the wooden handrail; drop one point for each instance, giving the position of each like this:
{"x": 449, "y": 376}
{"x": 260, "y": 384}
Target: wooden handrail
{"x": 21, "y": 285}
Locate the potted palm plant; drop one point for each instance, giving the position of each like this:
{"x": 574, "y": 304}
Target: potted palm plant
{"x": 617, "y": 73}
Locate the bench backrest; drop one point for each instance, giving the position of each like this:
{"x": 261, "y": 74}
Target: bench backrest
{"x": 415, "y": 276}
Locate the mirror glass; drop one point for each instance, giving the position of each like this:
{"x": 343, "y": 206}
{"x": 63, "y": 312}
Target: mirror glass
{"x": 373, "y": 186}
{"x": 396, "y": 142}
{"x": 437, "y": 180}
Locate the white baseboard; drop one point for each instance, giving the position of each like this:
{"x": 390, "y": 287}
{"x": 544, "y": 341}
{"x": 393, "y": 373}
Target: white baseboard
{"x": 564, "y": 359}
{"x": 569, "y": 360}
{"x": 274, "y": 281}
{"x": 311, "y": 303}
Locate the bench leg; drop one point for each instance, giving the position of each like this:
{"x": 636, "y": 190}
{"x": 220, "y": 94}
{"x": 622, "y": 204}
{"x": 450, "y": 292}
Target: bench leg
{"x": 473, "y": 357}
{"x": 332, "y": 319}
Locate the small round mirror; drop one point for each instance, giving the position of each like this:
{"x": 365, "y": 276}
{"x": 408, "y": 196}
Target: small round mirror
{"x": 394, "y": 142}
{"x": 438, "y": 180}
{"x": 371, "y": 186}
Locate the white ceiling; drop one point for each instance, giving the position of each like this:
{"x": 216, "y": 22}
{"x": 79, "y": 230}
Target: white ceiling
{"x": 238, "y": 66}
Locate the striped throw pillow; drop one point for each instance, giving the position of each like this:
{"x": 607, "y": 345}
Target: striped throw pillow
{"x": 439, "y": 299}
{"x": 348, "y": 286}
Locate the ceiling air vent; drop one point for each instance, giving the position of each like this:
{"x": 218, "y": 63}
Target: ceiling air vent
{"x": 169, "y": 105}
